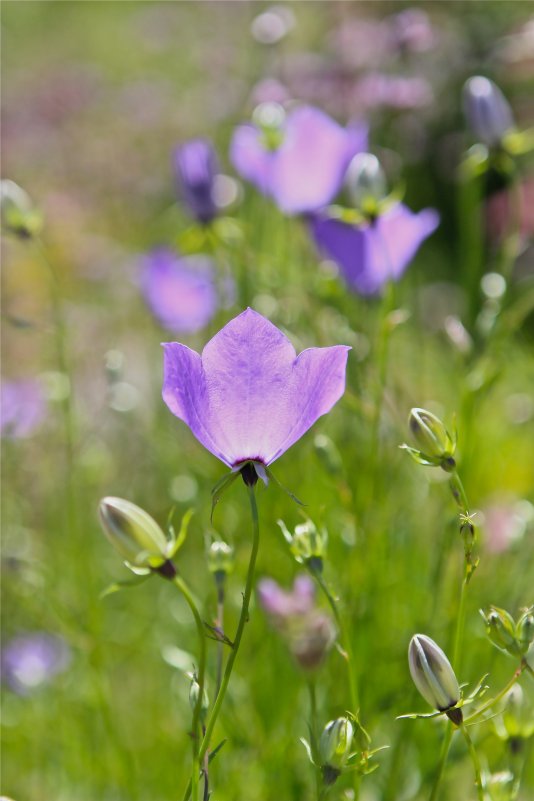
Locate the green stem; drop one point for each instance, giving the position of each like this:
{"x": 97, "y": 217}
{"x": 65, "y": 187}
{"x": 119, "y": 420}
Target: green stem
{"x": 442, "y": 761}
{"x": 315, "y": 732}
{"x": 476, "y": 764}
{"x": 197, "y": 759}
{"x": 460, "y": 620}
{"x": 237, "y": 639}
{"x": 499, "y": 695}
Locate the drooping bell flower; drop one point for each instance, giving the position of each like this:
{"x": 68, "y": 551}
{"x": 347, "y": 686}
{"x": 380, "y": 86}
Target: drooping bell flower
{"x": 374, "y": 243}
{"x": 299, "y": 158}
{"x": 195, "y": 166}
{"x": 249, "y": 397}
{"x": 487, "y": 111}
{"x": 180, "y": 290}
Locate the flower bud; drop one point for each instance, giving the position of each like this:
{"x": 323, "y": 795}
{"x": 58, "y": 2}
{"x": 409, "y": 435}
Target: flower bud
{"x": 19, "y": 215}
{"x": 366, "y": 183}
{"x": 311, "y": 641}
{"x": 516, "y": 719}
{"x": 133, "y": 533}
{"x": 193, "y": 698}
{"x": 437, "y": 446}
{"x": 220, "y": 557}
{"x": 487, "y": 111}
{"x": 433, "y": 674}
{"x": 525, "y": 630}
{"x": 335, "y": 744}
{"x": 500, "y": 628}
{"x": 270, "y": 117}
{"x": 307, "y": 543}
{"x": 195, "y": 166}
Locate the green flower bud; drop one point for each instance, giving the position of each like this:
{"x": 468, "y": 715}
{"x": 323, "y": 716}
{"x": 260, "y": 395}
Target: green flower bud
{"x": 194, "y": 691}
{"x": 433, "y": 675}
{"x": 19, "y": 215}
{"x": 500, "y": 628}
{"x": 307, "y": 543}
{"x": 269, "y": 117}
{"x": 516, "y": 721}
{"x": 334, "y": 747}
{"x": 133, "y": 533}
{"x": 366, "y": 183}
{"x": 500, "y": 786}
{"x": 220, "y": 558}
{"x": 435, "y": 443}
{"x": 525, "y": 630}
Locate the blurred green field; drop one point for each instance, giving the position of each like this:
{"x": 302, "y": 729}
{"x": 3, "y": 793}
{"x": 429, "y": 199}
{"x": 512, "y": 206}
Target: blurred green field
{"x": 94, "y": 98}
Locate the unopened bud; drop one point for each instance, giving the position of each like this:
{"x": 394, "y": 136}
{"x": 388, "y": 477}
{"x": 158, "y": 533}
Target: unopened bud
{"x": 334, "y": 747}
{"x": 194, "y": 691}
{"x": 500, "y": 628}
{"x": 517, "y": 721}
{"x": 311, "y": 641}
{"x": 19, "y": 215}
{"x": 220, "y": 558}
{"x": 487, "y": 111}
{"x": 307, "y": 543}
{"x": 433, "y": 439}
{"x": 433, "y": 675}
{"x": 525, "y": 630}
{"x": 133, "y": 533}
{"x": 270, "y": 117}
{"x": 366, "y": 183}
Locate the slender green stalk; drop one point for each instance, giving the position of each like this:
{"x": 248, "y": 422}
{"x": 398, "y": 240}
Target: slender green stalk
{"x": 212, "y": 719}
{"x": 315, "y": 731}
{"x": 460, "y": 620}
{"x": 220, "y": 644}
{"x": 184, "y": 589}
{"x": 476, "y": 763}
{"x": 499, "y": 696}
{"x": 446, "y": 744}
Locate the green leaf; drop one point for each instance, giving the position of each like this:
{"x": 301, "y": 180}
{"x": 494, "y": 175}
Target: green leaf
{"x": 220, "y": 488}
{"x": 272, "y": 477}
{"x": 117, "y": 586}
{"x": 182, "y": 534}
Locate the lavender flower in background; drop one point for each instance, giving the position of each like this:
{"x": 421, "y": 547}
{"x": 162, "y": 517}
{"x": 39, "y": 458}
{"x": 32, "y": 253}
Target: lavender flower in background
{"x": 308, "y": 630}
{"x": 195, "y": 166}
{"x": 22, "y": 407}
{"x": 30, "y": 660}
{"x": 179, "y": 290}
{"x": 249, "y": 397}
{"x": 298, "y": 159}
{"x": 487, "y": 111}
{"x": 371, "y": 253}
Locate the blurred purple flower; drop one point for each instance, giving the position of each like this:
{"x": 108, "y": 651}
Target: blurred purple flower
{"x": 30, "y": 660}
{"x": 180, "y": 290}
{"x": 412, "y": 30}
{"x": 279, "y": 603}
{"x": 22, "y": 408}
{"x": 396, "y": 91}
{"x": 195, "y": 166}
{"x": 375, "y": 252}
{"x": 305, "y": 170}
{"x": 249, "y": 397}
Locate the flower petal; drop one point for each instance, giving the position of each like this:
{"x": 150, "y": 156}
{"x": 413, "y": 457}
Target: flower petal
{"x": 250, "y": 157}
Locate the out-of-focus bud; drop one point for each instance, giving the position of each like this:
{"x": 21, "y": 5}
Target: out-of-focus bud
{"x": 195, "y": 166}
{"x": 307, "y": 543}
{"x": 433, "y": 676}
{"x": 500, "y": 628}
{"x": 194, "y": 691}
{"x": 500, "y": 786}
{"x": 334, "y": 747}
{"x": 220, "y": 559}
{"x": 328, "y": 453}
{"x": 487, "y": 111}
{"x": 310, "y": 642}
{"x": 19, "y": 215}
{"x": 366, "y": 183}
{"x": 525, "y": 630}
{"x": 516, "y": 721}
{"x": 134, "y": 534}
{"x": 270, "y": 117}
{"x": 436, "y": 445}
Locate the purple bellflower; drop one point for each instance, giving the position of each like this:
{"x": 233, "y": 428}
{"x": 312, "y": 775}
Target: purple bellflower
{"x": 376, "y": 251}
{"x": 249, "y": 397}
{"x": 195, "y": 166}
{"x": 180, "y": 290}
{"x": 298, "y": 159}
{"x": 30, "y": 660}
{"x": 22, "y": 409}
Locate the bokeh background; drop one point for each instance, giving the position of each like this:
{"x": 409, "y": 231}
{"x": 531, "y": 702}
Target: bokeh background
{"x": 95, "y": 96}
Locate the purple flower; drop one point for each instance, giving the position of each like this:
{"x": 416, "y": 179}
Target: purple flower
{"x": 281, "y": 604}
{"x": 195, "y": 165}
{"x": 180, "y": 290}
{"x": 30, "y": 660}
{"x": 23, "y": 408}
{"x": 249, "y": 397}
{"x": 305, "y": 167}
{"x": 375, "y": 252}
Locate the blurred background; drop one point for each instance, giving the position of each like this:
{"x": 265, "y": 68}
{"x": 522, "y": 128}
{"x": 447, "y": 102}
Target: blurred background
{"x": 95, "y": 97}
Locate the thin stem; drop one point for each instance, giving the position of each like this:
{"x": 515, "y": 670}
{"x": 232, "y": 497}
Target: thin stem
{"x": 315, "y": 731}
{"x": 460, "y": 620}
{"x": 197, "y": 759}
{"x": 240, "y": 628}
{"x": 476, "y": 763}
{"x": 446, "y": 744}
{"x": 220, "y": 627}
{"x": 499, "y": 696}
